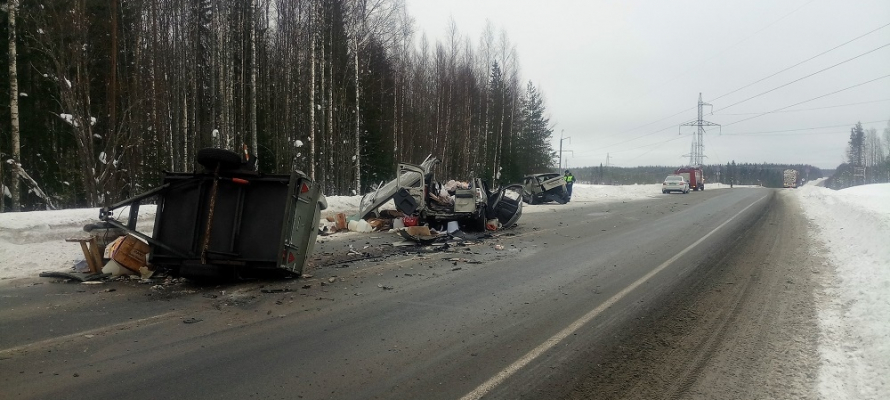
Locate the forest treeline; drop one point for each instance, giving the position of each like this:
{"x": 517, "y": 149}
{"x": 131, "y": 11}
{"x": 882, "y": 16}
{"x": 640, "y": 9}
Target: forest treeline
{"x": 767, "y": 175}
{"x": 868, "y": 159}
{"x": 112, "y": 93}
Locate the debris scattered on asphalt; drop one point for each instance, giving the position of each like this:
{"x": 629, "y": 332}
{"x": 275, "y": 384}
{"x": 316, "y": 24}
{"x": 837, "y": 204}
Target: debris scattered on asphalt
{"x": 145, "y": 272}
{"x": 456, "y": 260}
{"x": 78, "y": 276}
{"x": 384, "y": 287}
{"x": 421, "y": 234}
{"x": 191, "y": 320}
{"x": 278, "y": 290}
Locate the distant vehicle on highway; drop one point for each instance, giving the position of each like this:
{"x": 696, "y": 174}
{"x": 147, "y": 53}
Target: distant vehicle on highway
{"x": 675, "y": 183}
{"x": 694, "y": 176}
{"x": 790, "y": 178}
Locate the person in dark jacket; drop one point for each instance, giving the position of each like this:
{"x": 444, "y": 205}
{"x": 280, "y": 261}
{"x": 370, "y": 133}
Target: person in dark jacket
{"x": 570, "y": 180}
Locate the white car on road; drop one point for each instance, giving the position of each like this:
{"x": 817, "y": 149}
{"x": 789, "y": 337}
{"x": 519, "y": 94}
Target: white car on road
{"x": 675, "y": 183}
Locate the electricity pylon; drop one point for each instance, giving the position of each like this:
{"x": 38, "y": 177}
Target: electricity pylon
{"x": 696, "y": 157}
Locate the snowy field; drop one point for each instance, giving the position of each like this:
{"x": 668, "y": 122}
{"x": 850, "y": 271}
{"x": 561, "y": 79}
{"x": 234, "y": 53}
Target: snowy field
{"x": 852, "y": 226}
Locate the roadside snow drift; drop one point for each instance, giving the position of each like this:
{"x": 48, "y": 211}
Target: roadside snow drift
{"x": 854, "y": 226}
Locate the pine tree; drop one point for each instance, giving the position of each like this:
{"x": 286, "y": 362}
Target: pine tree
{"x": 536, "y": 133}
{"x": 856, "y": 149}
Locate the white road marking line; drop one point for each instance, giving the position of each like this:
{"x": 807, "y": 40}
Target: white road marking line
{"x": 96, "y": 331}
{"x": 501, "y": 376}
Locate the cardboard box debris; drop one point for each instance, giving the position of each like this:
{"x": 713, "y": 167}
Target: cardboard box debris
{"x": 130, "y": 252}
{"x": 380, "y": 224}
{"x": 418, "y": 230}
{"x": 341, "y": 221}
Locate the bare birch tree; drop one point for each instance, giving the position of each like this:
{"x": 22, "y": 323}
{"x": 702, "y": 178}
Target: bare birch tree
{"x": 13, "y": 113}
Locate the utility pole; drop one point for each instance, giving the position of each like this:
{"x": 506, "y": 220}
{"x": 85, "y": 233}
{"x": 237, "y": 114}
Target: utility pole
{"x": 606, "y": 170}
{"x": 697, "y": 155}
{"x": 691, "y": 153}
{"x": 560, "y": 145}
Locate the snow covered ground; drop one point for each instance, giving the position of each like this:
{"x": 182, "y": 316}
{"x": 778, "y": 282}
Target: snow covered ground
{"x": 853, "y": 226}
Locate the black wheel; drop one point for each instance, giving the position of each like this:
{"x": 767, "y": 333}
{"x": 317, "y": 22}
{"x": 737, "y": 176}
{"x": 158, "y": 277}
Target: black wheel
{"x": 211, "y": 157}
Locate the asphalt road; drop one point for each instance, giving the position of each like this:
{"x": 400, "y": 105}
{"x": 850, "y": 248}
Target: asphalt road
{"x": 528, "y": 313}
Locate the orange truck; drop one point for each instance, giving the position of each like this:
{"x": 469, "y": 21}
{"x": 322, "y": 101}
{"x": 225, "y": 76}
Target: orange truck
{"x": 694, "y": 176}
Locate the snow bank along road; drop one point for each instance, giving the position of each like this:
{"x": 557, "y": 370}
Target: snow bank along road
{"x": 671, "y": 297}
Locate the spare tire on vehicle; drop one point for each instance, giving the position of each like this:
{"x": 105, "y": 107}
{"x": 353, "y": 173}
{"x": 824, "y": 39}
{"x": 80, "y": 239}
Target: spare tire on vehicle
{"x": 211, "y": 157}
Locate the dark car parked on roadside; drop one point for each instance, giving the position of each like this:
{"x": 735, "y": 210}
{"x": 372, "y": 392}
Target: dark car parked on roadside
{"x": 542, "y": 188}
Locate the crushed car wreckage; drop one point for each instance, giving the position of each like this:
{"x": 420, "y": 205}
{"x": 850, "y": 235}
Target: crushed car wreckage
{"x": 417, "y": 194}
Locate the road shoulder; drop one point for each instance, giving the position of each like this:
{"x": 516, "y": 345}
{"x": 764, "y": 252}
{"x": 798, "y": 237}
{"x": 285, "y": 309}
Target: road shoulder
{"x": 746, "y": 329}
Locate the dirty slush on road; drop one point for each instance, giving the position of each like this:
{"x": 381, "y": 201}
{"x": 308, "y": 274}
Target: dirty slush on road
{"x": 745, "y": 329}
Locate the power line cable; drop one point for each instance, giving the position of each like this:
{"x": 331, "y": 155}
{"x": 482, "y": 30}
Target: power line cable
{"x": 734, "y": 91}
{"x": 804, "y": 77}
{"x": 802, "y": 133}
{"x": 738, "y": 134}
{"x": 807, "y": 101}
{"x": 653, "y": 123}
{"x": 811, "y": 109}
{"x": 809, "y": 59}
{"x": 638, "y": 137}
{"x": 755, "y": 82}
{"x": 706, "y": 60}
{"x": 765, "y": 133}
{"x": 648, "y": 151}
{"x": 644, "y": 146}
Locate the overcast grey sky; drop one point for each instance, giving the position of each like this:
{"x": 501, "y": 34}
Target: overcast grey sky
{"x": 615, "y": 74}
